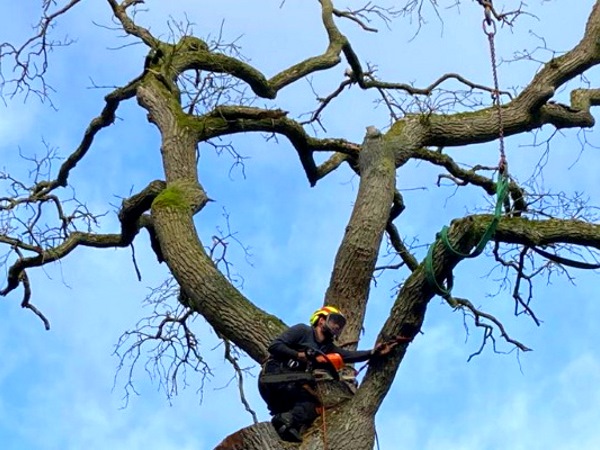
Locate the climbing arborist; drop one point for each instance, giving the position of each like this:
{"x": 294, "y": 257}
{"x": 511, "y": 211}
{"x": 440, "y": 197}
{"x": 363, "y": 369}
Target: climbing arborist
{"x": 286, "y": 383}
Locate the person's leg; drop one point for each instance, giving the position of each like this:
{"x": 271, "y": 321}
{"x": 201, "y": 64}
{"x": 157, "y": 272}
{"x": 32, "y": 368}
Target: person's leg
{"x": 302, "y": 413}
{"x": 305, "y": 406}
{"x": 272, "y": 395}
{"x": 298, "y": 409}
{"x": 305, "y": 412}
{"x": 280, "y": 398}
{"x": 286, "y": 427}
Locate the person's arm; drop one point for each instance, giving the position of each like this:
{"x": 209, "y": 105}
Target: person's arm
{"x": 284, "y": 346}
{"x": 381, "y": 349}
{"x": 354, "y": 356}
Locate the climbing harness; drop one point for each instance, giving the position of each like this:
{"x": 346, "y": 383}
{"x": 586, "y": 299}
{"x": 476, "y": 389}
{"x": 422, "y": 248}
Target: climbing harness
{"x": 489, "y": 28}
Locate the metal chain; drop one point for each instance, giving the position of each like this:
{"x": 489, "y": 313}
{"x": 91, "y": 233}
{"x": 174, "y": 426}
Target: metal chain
{"x": 489, "y": 28}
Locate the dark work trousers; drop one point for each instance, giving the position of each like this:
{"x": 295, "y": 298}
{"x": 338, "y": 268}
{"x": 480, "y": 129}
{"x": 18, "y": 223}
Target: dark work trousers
{"x": 290, "y": 395}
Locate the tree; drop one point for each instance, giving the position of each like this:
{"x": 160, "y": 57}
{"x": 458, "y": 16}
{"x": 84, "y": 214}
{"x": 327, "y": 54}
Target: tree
{"x": 197, "y": 90}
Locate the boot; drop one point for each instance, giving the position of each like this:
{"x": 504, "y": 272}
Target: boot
{"x": 285, "y": 427}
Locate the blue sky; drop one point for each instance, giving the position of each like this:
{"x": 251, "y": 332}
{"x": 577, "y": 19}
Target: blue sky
{"x": 56, "y": 387}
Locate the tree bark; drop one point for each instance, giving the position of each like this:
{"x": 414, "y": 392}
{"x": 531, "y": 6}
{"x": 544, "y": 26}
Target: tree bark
{"x": 343, "y": 428}
{"x": 357, "y": 254}
{"x": 209, "y": 293}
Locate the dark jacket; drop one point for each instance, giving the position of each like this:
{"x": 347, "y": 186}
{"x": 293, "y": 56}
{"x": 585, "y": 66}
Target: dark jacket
{"x": 300, "y": 337}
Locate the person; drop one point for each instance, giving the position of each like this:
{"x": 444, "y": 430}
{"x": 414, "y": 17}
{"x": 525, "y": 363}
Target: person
{"x": 285, "y": 382}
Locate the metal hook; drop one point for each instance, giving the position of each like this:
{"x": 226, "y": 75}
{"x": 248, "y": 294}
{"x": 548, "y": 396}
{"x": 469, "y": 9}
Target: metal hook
{"x": 489, "y": 28}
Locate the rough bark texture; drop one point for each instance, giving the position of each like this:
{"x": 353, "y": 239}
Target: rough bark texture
{"x": 207, "y": 289}
{"x": 343, "y": 430}
{"x": 357, "y": 254}
{"x": 174, "y": 201}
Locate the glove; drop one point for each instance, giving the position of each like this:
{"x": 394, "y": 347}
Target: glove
{"x": 311, "y": 354}
{"x": 383, "y": 348}
{"x": 307, "y": 355}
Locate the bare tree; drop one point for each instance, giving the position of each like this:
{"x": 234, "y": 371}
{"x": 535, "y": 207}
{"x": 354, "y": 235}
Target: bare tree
{"x": 197, "y": 90}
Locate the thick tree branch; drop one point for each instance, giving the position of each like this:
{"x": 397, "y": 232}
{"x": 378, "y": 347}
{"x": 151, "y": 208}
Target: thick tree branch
{"x": 528, "y": 111}
{"x": 482, "y": 126}
{"x": 193, "y": 54}
{"x": 409, "y": 309}
{"x": 558, "y": 71}
{"x": 329, "y": 59}
{"x": 357, "y": 255}
{"x": 270, "y": 88}
{"x": 226, "y": 120}
{"x": 260, "y": 436}
{"x": 131, "y": 211}
{"x": 531, "y": 109}
{"x": 543, "y": 232}
{"x": 331, "y": 164}
{"x": 74, "y": 240}
{"x": 207, "y": 290}
{"x": 135, "y": 206}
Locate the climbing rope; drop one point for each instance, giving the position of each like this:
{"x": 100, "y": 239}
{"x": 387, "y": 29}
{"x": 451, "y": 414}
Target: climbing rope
{"x": 445, "y": 291}
{"x": 489, "y": 28}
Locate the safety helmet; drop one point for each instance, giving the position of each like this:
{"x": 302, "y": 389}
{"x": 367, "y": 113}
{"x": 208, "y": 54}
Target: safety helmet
{"x": 334, "y": 319}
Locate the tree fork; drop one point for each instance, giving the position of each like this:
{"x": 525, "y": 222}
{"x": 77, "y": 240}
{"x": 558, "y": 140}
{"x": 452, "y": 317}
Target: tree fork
{"x": 208, "y": 290}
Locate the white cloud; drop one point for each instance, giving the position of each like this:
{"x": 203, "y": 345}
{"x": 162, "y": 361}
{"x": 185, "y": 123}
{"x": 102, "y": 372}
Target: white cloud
{"x": 557, "y": 411}
{"x": 56, "y": 387}
{"x": 16, "y": 126}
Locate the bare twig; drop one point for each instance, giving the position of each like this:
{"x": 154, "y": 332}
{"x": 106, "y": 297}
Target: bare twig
{"x": 480, "y": 319}
{"x": 26, "y": 67}
{"x": 233, "y": 360}
{"x": 167, "y": 339}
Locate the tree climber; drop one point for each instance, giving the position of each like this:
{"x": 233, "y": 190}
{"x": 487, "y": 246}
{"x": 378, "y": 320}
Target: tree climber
{"x": 286, "y": 383}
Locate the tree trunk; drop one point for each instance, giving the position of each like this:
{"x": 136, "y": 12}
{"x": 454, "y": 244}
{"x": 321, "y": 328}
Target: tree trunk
{"x": 357, "y": 255}
{"x": 341, "y": 428}
{"x": 208, "y": 291}
{"x": 345, "y": 426}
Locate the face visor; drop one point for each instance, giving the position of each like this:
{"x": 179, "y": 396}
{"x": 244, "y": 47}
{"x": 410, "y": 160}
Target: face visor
{"x": 334, "y": 323}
